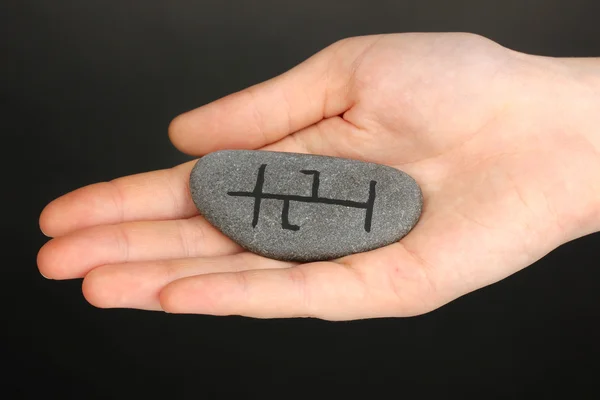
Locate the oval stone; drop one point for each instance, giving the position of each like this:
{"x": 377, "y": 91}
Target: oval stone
{"x": 299, "y": 207}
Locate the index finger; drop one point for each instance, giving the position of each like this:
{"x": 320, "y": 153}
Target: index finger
{"x": 149, "y": 196}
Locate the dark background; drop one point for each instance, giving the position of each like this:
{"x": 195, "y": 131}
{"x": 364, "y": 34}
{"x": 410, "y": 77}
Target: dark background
{"x": 88, "y": 89}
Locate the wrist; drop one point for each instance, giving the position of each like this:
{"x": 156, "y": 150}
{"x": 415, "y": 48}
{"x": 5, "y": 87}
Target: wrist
{"x": 584, "y": 107}
{"x": 565, "y": 103}
{"x": 585, "y": 96}
{"x": 586, "y": 71}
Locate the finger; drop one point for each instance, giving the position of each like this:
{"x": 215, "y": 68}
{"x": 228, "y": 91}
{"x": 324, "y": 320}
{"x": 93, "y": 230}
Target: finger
{"x": 325, "y": 290}
{"x": 137, "y": 285}
{"x": 254, "y": 117}
{"x": 157, "y": 195}
{"x": 74, "y": 255}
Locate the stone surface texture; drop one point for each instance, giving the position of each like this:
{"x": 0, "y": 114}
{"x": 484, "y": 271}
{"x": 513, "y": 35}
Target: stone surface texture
{"x": 299, "y": 207}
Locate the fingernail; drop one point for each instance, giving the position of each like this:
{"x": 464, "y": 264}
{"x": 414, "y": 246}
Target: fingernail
{"x": 44, "y": 276}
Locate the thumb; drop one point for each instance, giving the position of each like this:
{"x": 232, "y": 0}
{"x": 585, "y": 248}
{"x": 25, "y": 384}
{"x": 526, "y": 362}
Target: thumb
{"x": 264, "y": 113}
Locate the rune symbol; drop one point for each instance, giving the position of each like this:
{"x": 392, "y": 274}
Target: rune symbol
{"x": 258, "y": 195}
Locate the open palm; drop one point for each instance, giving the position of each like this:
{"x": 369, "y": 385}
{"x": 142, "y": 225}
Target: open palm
{"x": 470, "y": 120}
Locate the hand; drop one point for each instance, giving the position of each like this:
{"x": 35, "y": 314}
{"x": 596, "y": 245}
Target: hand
{"x": 498, "y": 140}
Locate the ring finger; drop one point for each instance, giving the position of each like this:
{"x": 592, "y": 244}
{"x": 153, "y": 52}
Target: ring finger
{"x": 137, "y": 285}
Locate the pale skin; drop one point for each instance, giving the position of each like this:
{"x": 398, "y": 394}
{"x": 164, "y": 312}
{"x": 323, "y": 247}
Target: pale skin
{"x": 505, "y": 146}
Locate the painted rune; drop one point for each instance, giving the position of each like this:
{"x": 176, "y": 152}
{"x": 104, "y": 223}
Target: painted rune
{"x": 258, "y": 195}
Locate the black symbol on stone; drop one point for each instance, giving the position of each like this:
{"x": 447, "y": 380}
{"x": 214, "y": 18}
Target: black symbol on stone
{"x": 258, "y": 195}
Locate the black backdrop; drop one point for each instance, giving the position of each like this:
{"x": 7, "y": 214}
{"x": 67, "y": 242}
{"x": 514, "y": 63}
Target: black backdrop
{"x": 88, "y": 89}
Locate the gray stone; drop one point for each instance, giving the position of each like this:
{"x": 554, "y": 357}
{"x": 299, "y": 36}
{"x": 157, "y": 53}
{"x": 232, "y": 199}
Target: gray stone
{"x": 300, "y": 207}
